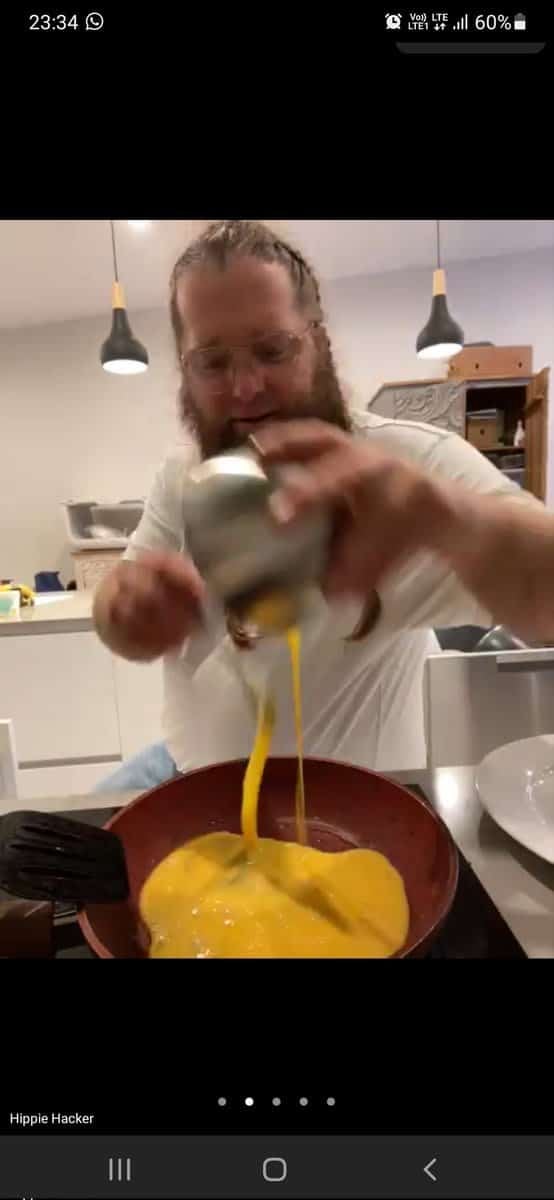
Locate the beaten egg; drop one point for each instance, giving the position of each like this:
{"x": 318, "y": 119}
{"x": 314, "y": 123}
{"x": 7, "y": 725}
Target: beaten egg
{"x": 223, "y": 895}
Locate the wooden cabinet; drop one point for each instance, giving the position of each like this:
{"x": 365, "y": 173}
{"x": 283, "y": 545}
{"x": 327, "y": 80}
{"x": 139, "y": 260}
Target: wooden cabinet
{"x": 467, "y": 391}
{"x": 492, "y": 362}
{"x": 535, "y": 416}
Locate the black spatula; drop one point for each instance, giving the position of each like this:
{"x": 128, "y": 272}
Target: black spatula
{"x": 46, "y": 857}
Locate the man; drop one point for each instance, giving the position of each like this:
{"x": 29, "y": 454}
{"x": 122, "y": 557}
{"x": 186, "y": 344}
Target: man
{"x": 428, "y": 533}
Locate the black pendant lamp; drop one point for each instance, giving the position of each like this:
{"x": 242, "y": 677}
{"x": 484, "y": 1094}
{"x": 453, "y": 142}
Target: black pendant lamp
{"x": 441, "y": 337}
{"x": 121, "y": 354}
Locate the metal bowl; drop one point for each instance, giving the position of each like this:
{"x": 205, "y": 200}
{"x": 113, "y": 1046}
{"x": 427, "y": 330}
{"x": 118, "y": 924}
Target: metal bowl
{"x": 234, "y": 540}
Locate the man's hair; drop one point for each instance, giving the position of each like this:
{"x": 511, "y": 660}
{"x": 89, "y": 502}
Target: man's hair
{"x": 224, "y": 240}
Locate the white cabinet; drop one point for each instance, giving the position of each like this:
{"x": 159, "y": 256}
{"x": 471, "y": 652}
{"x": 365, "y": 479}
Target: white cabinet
{"x": 59, "y": 691}
{"x": 139, "y": 691}
{"x": 76, "y": 709}
{"x": 75, "y": 779}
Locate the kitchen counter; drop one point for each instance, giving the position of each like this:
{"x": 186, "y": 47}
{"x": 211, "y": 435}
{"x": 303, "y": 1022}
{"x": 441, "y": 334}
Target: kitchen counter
{"x": 52, "y": 612}
{"x": 520, "y": 884}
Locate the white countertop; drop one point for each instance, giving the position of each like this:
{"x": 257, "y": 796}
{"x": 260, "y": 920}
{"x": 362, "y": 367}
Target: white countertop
{"x": 52, "y": 612}
{"x": 520, "y": 884}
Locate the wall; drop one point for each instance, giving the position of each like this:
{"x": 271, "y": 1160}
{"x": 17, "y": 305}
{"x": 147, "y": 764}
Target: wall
{"x": 68, "y": 430}
{"x": 375, "y": 319}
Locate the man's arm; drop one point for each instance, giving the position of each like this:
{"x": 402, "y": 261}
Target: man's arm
{"x": 444, "y": 541}
{"x": 502, "y": 551}
{"x": 433, "y": 589}
{"x": 151, "y": 601}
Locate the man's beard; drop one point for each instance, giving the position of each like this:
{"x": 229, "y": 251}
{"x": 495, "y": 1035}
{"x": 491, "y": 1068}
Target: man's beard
{"x": 325, "y": 401}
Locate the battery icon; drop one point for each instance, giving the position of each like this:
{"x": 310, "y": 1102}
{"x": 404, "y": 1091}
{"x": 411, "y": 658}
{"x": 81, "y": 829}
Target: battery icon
{"x": 520, "y": 21}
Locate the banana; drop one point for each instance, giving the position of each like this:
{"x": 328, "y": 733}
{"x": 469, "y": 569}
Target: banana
{"x": 27, "y": 595}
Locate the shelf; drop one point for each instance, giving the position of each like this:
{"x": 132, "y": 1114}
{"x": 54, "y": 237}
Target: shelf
{"x": 498, "y": 449}
{"x": 511, "y": 381}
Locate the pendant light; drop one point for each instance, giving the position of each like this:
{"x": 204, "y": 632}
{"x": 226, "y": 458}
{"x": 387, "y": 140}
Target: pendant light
{"x": 441, "y": 337}
{"x": 121, "y": 354}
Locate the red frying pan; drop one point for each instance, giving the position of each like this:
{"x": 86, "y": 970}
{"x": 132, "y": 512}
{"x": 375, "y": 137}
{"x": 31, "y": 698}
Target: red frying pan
{"x": 347, "y": 807}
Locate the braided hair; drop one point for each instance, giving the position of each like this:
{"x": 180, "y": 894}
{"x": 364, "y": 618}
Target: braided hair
{"x": 224, "y": 240}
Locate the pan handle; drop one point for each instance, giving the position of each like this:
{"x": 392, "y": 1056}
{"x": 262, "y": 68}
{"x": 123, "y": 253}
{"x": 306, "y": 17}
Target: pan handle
{"x": 26, "y": 929}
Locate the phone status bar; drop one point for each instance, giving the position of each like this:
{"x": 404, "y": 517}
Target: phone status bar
{"x": 465, "y": 31}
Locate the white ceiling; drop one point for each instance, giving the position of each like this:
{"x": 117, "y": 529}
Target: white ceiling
{"x": 61, "y": 270}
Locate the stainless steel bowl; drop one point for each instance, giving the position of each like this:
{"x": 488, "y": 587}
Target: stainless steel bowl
{"x": 235, "y": 542}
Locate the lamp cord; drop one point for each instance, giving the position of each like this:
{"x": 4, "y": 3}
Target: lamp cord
{"x": 438, "y": 244}
{"x": 114, "y": 253}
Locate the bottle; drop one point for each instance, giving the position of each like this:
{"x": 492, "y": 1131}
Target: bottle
{"x": 519, "y": 435}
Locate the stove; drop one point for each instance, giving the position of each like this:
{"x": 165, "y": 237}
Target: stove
{"x": 474, "y": 928}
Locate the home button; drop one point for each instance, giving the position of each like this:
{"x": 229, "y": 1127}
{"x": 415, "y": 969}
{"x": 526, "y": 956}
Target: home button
{"x": 274, "y": 1170}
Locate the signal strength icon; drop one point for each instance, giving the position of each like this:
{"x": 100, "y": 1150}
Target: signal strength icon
{"x": 461, "y": 25}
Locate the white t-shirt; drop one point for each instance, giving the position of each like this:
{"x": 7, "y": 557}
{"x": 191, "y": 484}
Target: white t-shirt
{"x": 362, "y": 701}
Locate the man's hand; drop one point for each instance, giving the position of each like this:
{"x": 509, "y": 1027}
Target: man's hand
{"x": 500, "y": 547}
{"x": 384, "y": 508}
{"x": 147, "y": 607}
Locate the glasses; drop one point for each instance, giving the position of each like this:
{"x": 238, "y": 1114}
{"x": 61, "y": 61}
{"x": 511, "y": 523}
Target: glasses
{"x": 214, "y": 364}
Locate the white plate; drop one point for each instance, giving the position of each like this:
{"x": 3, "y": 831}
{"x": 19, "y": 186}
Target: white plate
{"x": 516, "y": 786}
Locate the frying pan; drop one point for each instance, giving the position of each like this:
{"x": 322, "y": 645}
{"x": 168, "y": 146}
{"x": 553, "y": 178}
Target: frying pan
{"x": 348, "y": 807}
